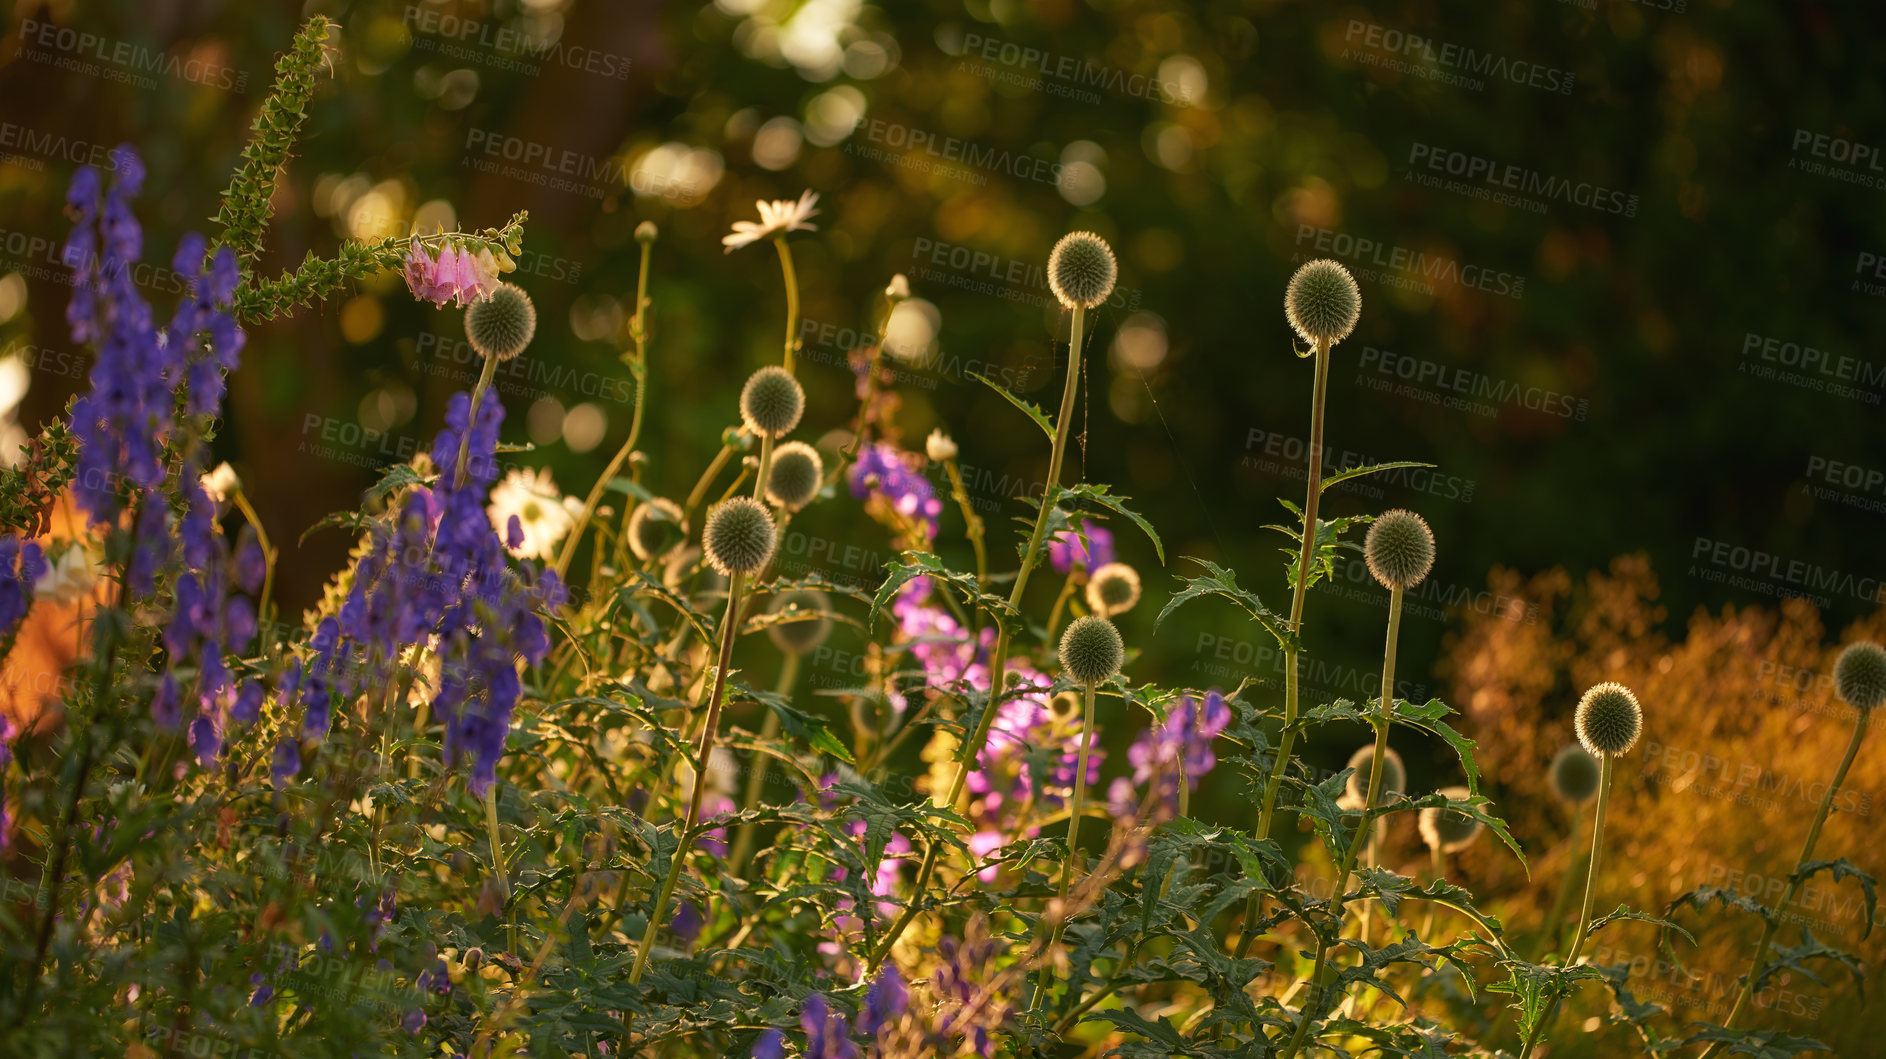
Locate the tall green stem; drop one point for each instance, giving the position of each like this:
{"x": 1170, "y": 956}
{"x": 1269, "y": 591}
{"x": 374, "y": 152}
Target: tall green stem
{"x": 756, "y": 780}
{"x": 1365, "y": 830}
{"x": 1591, "y": 892}
{"x": 1305, "y": 554}
{"x": 1073, "y": 840}
{"x": 1797, "y": 880}
{"x": 471, "y": 419}
{"x": 498, "y": 872}
{"x": 659, "y": 912}
{"x": 998, "y": 661}
{"x": 792, "y": 298}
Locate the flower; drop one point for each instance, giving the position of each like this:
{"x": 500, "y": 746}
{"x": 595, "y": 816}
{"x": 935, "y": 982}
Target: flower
{"x": 882, "y": 470}
{"x": 1574, "y": 775}
{"x": 22, "y": 567}
{"x": 1081, "y": 270}
{"x": 1608, "y": 720}
{"x": 502, "y": 323}
{"x": 1449, "y": 830}
{"x": 1322, "y": 302}
{"x": 542, "y": 514}
{"x": 1183, "y": 739}
{"x": 1090, "y": 546}
{"x": 1113, "y": 589}
{"x": 939, "y": 447}
{"x": 1399, "y": 549}
{"x": 1091, "y": 650}
{"x": 771, "y": 402}
{"x": 1860, "y": 675}
{"x": 739, "y": 537}
{"x": 898, "y": 289}
{"x": 777, "y": 218}
{"x": 454, "y": 275}
{"x": 796, "y": 475}
{"x": 222, "y": 483}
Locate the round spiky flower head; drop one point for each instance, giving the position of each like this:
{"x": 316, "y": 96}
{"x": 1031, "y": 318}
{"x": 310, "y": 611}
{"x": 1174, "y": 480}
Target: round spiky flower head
{"x": 501, "y": 325}
{"x": 772, "y": 402}
{"x": 1091, "y": 650}
{"x": 1081, "y": 270}
{"x": 1394, "y": 777}
{"x": 803, "y": 634}
{"x": 1113, "y": 589}
{"x": 655, "y": 526}
{"x": 739, "y": 536}
{"x": 1574, "y": 775}
{"x": 1609, "y": 720}
{"x": 1860, "y": 675}
{"x": 1399, "y": 548}
{"x": 795, "y": 476}
{"x": 1323, "y": 302}
{"x": 1449, "y": 830}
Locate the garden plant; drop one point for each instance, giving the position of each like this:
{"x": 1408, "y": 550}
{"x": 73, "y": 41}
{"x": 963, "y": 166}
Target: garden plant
{"x": 542, "y": 775}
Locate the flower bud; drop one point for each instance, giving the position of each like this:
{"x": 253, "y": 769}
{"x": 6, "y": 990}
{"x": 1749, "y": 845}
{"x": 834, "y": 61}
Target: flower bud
{"x": 1113, "y": 589}
{"x": 794, "y": 479}
{"x": 1449, "y": 830}
{"x": 1399, "y": 549}
{"x": 1860, "y": 675}
{"x": 1355, "y": 793}
{"x": 772, "y": 402}
{"x": 1091, "y": 650}
{"x": 1609, "y": 720}
{"x": 1081, "y": 270}
{"x": 501, "y": 325}
{"x": 654, "y": 527}
{"x": 939, "y": 447}
{"x": 1323, "y": 302}
{"x": 739, "y": 536}
{"x": 1574, "y": 775}
{"x": 802, "y": 635}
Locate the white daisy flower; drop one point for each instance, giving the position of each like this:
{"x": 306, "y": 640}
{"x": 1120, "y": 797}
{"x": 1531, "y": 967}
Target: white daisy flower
{"x": 776, "y": 218}
{"x": 222, "y": 483}
{"x": 544, "y": 514}
{"x": 69, "y": 578}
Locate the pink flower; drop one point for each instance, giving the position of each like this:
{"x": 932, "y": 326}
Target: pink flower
{"x": 455, "y": 275}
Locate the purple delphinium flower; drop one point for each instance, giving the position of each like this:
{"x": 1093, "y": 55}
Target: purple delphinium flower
{"x": 827, "y": 1034}
{"x": 883, "y": 470}
{"x": 248, "y": 705}
{"x": 125, "y": 419}
{"x": 1088, "y": 545}
{"x": 287, "y": 762}
{"x": 771, "y": 1045}
{"x": 21, "y": 564}
{"x": 884, "y": 1002}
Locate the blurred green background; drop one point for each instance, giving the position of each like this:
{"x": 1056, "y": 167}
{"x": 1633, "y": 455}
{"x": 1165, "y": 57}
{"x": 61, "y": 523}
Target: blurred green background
{"x": 1619, "y": 262}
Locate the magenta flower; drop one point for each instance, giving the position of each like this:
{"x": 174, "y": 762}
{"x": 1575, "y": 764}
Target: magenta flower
{"x": 1090, "y": 546}
{"x": 455, "y": 275}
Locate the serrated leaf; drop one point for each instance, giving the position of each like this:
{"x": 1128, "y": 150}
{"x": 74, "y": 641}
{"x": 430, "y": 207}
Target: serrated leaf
{"x": 1373, "y": 468}
{"x": 1034, "y": 413}
{"x": 1099, "y": 496}
{"x": 1218, "y": 581}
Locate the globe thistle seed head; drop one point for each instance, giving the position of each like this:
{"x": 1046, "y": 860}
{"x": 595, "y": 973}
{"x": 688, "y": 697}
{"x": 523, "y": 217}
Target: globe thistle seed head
{"x": 1113, "y": 589}
{"x": 1449, "y": 830}
{"x": 1355, "y": 794}
{"x": 501, "y": 325}
{"x": 654, "y": 527}
{"x": 1399, "y": 549}
{"x": 1574, "y": 775}
{"x": 1609, "y": 720}
{"x": 739, "y": 536}
{"x": 646, "y": 232}
{"x": 1323, "y": 302}
{"x": 1081, "y": 270}
{"x": 803, "y": 634}
{"x": 1860, "y": 675}
{"x": 772, "y": 402}
{"x": 795, "y": 476}
{"x": 1091, "y": 650}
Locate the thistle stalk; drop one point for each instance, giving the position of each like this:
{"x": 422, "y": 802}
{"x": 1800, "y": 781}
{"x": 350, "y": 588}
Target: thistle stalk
{"x": 1073, "y": 839}
{"x": 685, "y": 839}
{"x": 792, "y": 301}
{"x": 1591, "y": 890}
{"x": 1796, "y": 881}
{"x": 471, "y": 419}
{"x": 998, "y": 660}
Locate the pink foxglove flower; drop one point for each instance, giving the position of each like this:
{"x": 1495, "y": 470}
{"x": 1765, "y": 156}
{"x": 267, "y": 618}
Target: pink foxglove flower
{"x": 455, "y": 275}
